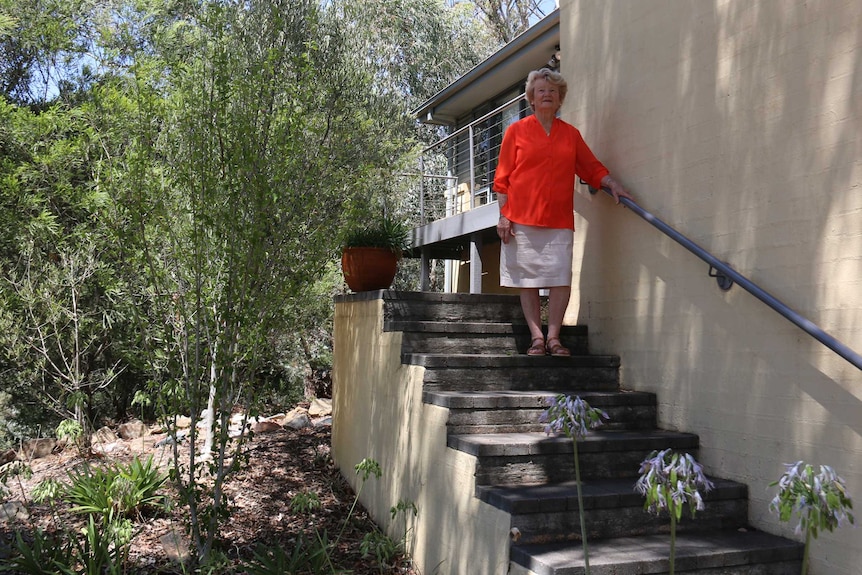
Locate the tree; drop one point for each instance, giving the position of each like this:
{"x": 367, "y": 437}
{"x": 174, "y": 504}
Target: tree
{"x": 414, "y": 47}
{"x": 58, "y": 305}
{"x": 42, "y": 44}
{"x": 508, "y": 18}
{"x": 270, "y": 138}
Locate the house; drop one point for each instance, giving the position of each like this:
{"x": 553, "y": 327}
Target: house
{"x": 740, "y": 125}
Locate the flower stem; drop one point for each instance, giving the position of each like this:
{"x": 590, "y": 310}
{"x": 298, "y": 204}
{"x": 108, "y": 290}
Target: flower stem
{"x": 805, "y": 553}
{"x": 581, "y": 509}
{"x": 672, "y": 541}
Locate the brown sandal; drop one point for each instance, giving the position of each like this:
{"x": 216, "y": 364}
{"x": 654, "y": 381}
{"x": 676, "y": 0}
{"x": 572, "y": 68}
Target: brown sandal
{"x": 556, "y": 349}
{"x": 537, "y": 346}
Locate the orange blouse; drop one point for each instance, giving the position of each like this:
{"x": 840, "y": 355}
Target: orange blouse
{"x": 537, "y": 172}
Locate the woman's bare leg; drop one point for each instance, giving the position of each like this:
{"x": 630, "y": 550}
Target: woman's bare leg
{"x": 532, "y": 311}
{"x": 558, "y": 301}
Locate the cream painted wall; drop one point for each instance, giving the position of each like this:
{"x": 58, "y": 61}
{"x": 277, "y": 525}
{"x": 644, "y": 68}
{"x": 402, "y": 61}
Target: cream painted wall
{"x": 378, "y": 414}
{"x": 740, "y": 124}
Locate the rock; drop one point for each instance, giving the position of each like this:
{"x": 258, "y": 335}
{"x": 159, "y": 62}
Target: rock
{"x": 113, "y": 448}
{"x": 320, "y": 407}
{"x": 291, "y": 415}
{"x": 13, "y": 511}
{"x": 103, "y": 435}
{"x": 323, "y": 422}
{"x": 183, "y": 422}
{"x": 298, "y": 422}
{"x": 133, "y": 429}
{"x": 37, "y": 448}
{"x": 175, "y": 546}
{"x": 168, "y": 440}
{"x": 7, "y": 456}
{"x": 265, "y": 427}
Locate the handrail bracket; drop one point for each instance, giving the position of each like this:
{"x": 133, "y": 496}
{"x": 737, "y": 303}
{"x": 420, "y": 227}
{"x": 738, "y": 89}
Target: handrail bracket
{"x": 725, "y": 282}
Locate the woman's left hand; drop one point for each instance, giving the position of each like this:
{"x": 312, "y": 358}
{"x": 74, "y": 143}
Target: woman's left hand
{"x": 505, "y": 229}
{"x": 617, "y": 190}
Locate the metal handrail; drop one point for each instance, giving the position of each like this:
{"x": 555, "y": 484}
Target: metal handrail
{"x": 727, "y": 276}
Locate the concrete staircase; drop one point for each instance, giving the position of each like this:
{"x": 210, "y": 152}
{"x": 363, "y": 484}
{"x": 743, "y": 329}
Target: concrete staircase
{"x": 472, "y": 349}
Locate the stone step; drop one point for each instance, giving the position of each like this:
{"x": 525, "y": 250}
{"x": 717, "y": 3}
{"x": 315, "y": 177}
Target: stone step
{"x": 519, "y": 411}
{"x": 728, "y": 552}
{"x": 483, "y": 372}
{"x": 450, "y": 307}
{"x": 473, "y": 350}
{"x": 458, "y": 338}
{"x": 530, "y": 458}
{"x": 612, "y": 508}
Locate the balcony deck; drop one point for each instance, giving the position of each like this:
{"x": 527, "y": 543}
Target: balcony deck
{"x": 447, "y": 238}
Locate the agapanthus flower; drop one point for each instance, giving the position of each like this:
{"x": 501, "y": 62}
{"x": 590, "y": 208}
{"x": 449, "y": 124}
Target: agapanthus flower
{"x": 671, "y": 480}
{"x": 571, "y": 416}
{"x": 819, "y": 499}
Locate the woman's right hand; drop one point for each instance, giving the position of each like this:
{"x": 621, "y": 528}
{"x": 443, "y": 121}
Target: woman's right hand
{"x": 505, "y": 229}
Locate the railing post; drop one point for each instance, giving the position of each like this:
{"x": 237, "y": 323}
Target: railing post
{"x": 472, "y": 170}
{"x": 476, "y": 263}
{"x": 422, "y": 190}
{"x": 424, "y": 270}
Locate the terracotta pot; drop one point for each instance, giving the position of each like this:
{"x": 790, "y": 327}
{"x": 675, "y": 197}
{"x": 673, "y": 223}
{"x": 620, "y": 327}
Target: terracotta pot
{"x": 367, "y": 269}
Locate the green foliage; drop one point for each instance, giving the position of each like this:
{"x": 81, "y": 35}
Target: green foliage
{"x": 43, "y": 555}
{"x": 365, "y": 469}
{"x": 8, "y": 417}
{"x": 415, "y": 48}
{"x": 404, "y": 508}
{"x": 60, "y": 310}
{"x": 171, "y": 204}
{"x": 69, "y": 429}
{"x": 387, "y": 232}
{"x": 48, "y": 491}
{"x": 380, "y": 546}
{"x": 107, "y": 496}
{"x": 14, "y": 469}
{"x": 100, "y": 548}
{"x": 310, "y": 554}
{"x": 118, "y": 490}
{"x": 103, "y": 547}
{"x": 305, "y": 502}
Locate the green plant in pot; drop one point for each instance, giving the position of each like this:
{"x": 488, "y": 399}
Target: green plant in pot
{"x": 371, "y": 253}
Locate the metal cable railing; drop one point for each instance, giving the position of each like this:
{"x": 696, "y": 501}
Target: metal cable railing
{"x": 456, "y": 172}
{"x": 727, "y": 276}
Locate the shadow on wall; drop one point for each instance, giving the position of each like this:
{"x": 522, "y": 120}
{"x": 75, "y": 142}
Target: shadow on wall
{"x": 740, "y": 124}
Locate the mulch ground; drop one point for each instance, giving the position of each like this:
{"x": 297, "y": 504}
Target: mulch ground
{"x": 280, "y": 465}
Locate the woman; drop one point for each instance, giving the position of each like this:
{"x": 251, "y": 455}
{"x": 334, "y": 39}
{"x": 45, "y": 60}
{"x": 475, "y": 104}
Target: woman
{"x": 535, "y": 183}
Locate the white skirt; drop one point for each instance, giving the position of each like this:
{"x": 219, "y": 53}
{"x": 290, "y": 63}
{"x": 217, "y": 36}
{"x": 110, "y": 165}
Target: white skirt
{"x": 537, "y": 258}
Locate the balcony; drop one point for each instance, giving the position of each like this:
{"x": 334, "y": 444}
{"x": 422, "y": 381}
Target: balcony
{"x": 457, "y": 206}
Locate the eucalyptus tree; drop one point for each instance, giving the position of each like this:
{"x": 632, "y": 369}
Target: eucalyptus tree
{"x": 505, "y": 19}
{"x": 42, "y": 48}
{"x": 415, "y": 47}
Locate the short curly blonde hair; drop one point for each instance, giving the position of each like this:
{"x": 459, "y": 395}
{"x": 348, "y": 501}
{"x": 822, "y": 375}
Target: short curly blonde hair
{"x": 554, "y": 78}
